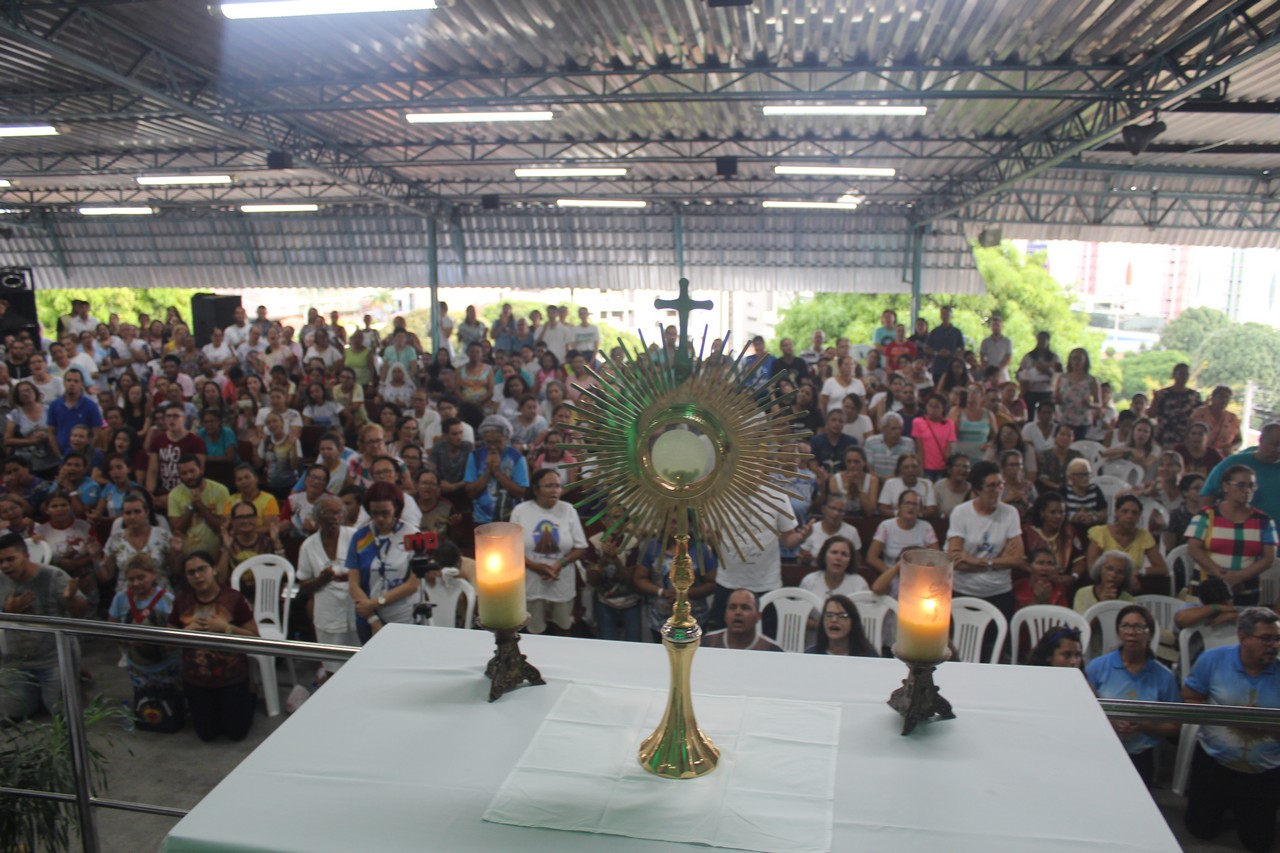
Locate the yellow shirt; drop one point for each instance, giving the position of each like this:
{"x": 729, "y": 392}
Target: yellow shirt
{"x": 266, "y": 505}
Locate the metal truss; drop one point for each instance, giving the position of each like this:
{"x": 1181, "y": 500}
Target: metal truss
{"x": 1202, "y": 59}
{"x": 569, "y": 87}
{"x": 142, "y": 72}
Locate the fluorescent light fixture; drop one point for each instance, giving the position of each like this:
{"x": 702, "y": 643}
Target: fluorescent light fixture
{"x": 836, "y": 171}
{"x": 810, "y": 205}
{"x": 4, "y": 210}
{"x": 599, "y": 202}
{"x": 279, "y": 208}
{"x": 846, "y": 110}
{"x": 4, "y": 183}
{"x": 29, "y": 130}
{"x": 851, "y": 198}
{"x": 295, "y": 8}
{"x": 116, "y": 211}
{"x": 469, "y": 117}
{"x": 571, "y": 172}
{"x": 179, "y": 180}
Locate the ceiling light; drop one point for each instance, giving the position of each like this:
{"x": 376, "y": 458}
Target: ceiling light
{"x": 279, "y": 208}
{"x": 178, "y": 180}
{"x": 116, "y": 211}
{"x": 454, "y": 118}
{"x": 29, "y": 130}
{"x": 599, "y": 202}
{"x": 294, "y": 8}
{"x": 4, "y": 183}
{"x": 848, "y": 110}
{"x": 863, "y": 171}
{"x": 9, "y": 210}
{"x": 571, "y": 172}
{"x": 810, "y": 205}
{"x": 851, "y": 198}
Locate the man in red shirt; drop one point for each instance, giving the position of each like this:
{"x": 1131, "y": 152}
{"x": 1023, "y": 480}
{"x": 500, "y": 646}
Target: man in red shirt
{"x": 167, "y": 448}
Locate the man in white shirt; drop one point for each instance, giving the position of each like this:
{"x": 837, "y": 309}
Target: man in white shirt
{"x": 238, "y": 332}
{"x": 816, "y": 348}
{"x": 251, "y": 344}
{"x": 323, "y": 350}
{"x": 586, "y": 337}
{"x": 996, "y": 350}
{"x": 322, "y": 573}
{"x": 79, "y": 320}
{"x": 428, "y": 419}
{"x": 832, "y": 524}
{"x": 556, "y": 335}
{"x": 758, "y": 569}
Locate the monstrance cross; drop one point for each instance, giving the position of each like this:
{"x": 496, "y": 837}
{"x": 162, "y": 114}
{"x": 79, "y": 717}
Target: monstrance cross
{"x": 683, "y": 306}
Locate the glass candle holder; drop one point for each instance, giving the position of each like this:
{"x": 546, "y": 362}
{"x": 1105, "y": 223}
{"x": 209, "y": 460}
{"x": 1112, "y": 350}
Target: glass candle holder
{"x": 924, "y": 605}
{"x": 500, "y": 575}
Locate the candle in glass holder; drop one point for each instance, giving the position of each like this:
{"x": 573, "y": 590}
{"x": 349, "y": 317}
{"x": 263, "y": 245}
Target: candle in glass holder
{"x": 924, "y": 605}
{"x": 500, "y": 575}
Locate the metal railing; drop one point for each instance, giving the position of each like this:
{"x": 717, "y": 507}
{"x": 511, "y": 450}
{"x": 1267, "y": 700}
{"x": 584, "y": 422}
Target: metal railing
{"x": 66, "y": 629}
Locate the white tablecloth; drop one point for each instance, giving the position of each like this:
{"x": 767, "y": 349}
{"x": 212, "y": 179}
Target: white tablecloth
{"x": 400, "y": 751}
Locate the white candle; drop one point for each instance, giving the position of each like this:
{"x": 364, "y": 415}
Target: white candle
{"x": 924, "y": 605}
{"x": 500, "y": 575}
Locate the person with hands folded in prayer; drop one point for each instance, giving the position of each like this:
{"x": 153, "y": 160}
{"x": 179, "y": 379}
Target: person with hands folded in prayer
{"x": 322, "y": 573}
{"x": 216, "y": 683}
{"x": 243, "y": 540}
{"x": 382, "y": 588}
{"x": 29, "y": 679}
{"x": 553, "y": 543}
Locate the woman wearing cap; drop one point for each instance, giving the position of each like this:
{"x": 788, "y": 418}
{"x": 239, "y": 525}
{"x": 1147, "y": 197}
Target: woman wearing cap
{"x": 497, "y": 475}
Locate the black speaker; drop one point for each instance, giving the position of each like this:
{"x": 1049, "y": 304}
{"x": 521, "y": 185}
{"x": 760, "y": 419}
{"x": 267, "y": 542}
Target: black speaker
{"x": 726, "y": 167}
{"x": 209, "y": 310}
{"x": 490, "y": 202}
{"x": 18, "y": 289}
{"x": 279, "y": 160}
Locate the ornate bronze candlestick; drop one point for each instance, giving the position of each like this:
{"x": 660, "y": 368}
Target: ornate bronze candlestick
{"x": 678, "y": 749}
{"x": 508, "y": 668}
{"x": 924, "y": 619}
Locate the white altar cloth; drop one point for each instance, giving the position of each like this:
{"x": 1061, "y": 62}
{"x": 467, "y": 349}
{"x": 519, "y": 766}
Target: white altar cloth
{"x": 400, "y": 751}
{"x": 771, "y": 791}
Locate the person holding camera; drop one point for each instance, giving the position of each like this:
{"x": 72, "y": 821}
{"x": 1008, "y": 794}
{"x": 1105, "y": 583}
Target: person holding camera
{"x": 382, "y": 587}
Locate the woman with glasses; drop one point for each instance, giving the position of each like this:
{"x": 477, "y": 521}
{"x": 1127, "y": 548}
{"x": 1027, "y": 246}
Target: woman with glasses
{"x": 216, "y": 683}
{"x": 1132, "y": 672}
{"x": 1232, "y": 540}
{"x": 1111, "y": 573}
{"x": 841, "y": 631}
{"x": 381, "y": 585}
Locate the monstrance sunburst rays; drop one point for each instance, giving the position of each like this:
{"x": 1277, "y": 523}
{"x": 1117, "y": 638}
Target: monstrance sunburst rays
{"x": 719, "y": 477}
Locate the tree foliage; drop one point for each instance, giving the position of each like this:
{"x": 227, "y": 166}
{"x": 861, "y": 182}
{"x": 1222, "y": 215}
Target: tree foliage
{"x": 1238, "y": 354}
{"x": 1143, "y": 372}
{"x": 1192, "y": 328}
{"x": 1019, "y": 288}
{"x": 105, "y": 301}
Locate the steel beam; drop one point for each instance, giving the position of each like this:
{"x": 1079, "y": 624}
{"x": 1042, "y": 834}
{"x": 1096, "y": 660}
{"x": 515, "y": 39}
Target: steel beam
{"x": 94, "y": 44}
{"x": 1224, "y": 43}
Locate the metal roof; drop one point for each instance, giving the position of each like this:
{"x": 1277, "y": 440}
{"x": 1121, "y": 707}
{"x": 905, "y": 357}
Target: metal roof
{"x": 1025, "y": 103}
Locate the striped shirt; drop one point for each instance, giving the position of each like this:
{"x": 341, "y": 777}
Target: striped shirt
{"x": 1233, "y": 546}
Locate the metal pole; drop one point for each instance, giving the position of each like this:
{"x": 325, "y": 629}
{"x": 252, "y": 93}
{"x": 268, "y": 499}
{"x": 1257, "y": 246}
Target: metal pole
{"x": 917, "y": 261}
{"x": 679, "y": 235}
{"x": 433, "y": 282}
{"x": 69, "y": 672}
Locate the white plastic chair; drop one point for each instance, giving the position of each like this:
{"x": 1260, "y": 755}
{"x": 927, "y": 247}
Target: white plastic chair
{"x": 793, "y": 606}
{"x": 1151, "y": 508}
{"x": 1270, "y": 586}
{"x": 859, "y": 352}
{"x": 1162, "y": 607}
{"x": 39, "y": 551}
{"x": 1130, "y": 472}
{"x": 445, "y": 594}
{"x": 1209, "y": 638}
{"x": 969, "y": 620}
{"x": 273, "y": 580}
{"x": 1179, "y": 556}
{"x": 1110, "y": 486}
{"x": 1104, "y": 613}
{"x": 1091, "y": 450}
{"x": 874, "y": 611}
{"x": 1038, "y": 620}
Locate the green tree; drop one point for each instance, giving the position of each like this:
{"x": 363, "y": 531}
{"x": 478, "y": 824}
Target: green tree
{"x": 1237, "y": 355}
{"x": 105, "y": 301}
{"x": 1018, "y": 288}
{"x": 1143, "y": 372}
{"x": 1192, "y": 328}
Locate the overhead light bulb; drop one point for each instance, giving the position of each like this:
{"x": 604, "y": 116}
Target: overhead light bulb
{"x": 599, "y": 202}
{"x": 116, "y": 211}
{"x": 296, "y": 8}
{"x": 29, "y": 130}
{"x": 845, "y": 110}
{"x": 179, "y": 180}
{"x": 810, "y": 205}
{"x": 836, "y": 171}
{"x": 571, "y": 172}
{"x": 279, "y": 208}
{"x": 466, "y": 117}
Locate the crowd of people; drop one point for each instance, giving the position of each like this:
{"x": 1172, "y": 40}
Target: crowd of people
{"x": 141, "y": 468}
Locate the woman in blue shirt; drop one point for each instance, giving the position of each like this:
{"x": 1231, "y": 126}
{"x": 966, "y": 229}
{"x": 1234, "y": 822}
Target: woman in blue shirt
{"x": 219, "y": 439}
{"x": 382, "y": 588}
{"x": 1132, "y": 672}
